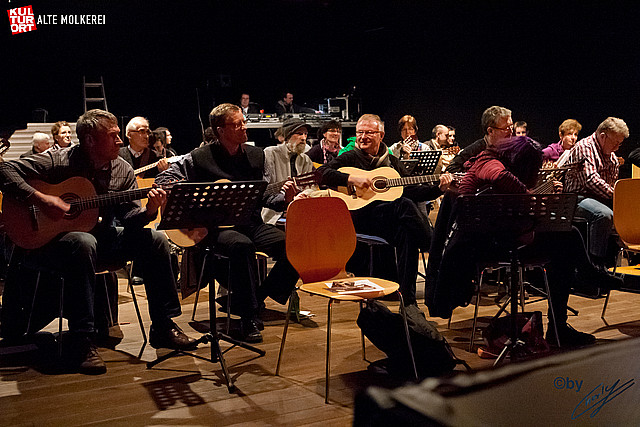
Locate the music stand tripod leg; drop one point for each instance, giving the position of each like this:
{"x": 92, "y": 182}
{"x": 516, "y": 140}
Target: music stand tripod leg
{"x": 513, "y": 344}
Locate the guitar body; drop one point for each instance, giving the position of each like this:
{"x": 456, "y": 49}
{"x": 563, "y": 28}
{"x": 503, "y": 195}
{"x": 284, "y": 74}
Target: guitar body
{"x": 30, "y": 228}
{"x": 378, "y": 191}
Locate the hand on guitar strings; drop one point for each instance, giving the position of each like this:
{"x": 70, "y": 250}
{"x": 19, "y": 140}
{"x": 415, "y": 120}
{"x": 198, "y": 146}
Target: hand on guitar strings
{"x": 362, "y": 182}
{"x": 163, "y": 165}
{"x": 289, "y": 189}
{"x": 445, "y": 181}
{"x": 52, "y": 206}
{"x": 156, "y": 198}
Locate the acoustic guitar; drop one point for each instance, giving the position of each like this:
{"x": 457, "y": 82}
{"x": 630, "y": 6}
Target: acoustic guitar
{"x": 29, "y": 228}
{"x": 190, "y": 237}
{"x": 387, "y": 185}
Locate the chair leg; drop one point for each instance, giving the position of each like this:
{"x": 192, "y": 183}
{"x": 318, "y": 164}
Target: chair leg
{"x": 364, "y": 351}
{"x": 615, "y": 267}
{"x": 284, "y": 334}
{"x": 135, "y": 305}
{"x": 408, "y": 337}
{"x": 60, "y": 317}
{"x": 328, "y": 365}
{"x": 553, "y": 316}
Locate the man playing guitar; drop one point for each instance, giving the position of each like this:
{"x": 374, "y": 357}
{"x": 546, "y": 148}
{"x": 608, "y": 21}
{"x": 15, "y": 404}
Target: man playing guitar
{"x": 78, "y": 255}
{"x": 398, "y": 221}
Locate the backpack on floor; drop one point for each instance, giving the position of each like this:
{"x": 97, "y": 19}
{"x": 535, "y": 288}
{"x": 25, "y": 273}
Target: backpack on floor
{"x": 385, "y": 330}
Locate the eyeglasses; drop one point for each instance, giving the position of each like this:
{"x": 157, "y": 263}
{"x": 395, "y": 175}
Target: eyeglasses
{"x": 236, "y": 125}
{"x": 143, "y": 131}
{"x": 334, "y": 130}
{"x": 367, "y": 132}
{"x": 508, "y": 128}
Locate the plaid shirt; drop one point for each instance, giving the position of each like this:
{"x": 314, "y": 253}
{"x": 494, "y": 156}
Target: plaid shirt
{"x": 597, "y": 175}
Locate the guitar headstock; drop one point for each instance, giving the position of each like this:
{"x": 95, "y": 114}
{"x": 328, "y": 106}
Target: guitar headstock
{"x": 307, "y": 179}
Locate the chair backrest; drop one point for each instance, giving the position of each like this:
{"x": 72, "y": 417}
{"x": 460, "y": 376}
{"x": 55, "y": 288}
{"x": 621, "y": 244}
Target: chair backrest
{"x": 320, "y": 237}
{"x": 626, "y": 210}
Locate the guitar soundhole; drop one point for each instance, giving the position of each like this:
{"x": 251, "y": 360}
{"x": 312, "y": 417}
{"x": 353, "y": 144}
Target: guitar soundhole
{"x": 380, "y": 184}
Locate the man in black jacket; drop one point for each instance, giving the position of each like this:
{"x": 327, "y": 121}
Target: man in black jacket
{"x": 399, "y": 221}
{"x": 230, "y": 158}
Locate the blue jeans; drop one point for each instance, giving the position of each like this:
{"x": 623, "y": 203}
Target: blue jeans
{"x": 600, "y": 219}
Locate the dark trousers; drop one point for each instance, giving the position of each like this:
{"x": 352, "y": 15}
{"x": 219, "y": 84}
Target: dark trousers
{"x": 78, "y": 255}
{"x": 240, "y": 245}
{"x": 402, "y": 225}
{"x": 566, "y": 252}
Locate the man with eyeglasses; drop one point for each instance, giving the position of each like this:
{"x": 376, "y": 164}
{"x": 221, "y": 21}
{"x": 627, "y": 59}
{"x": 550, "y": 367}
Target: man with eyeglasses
{"x": 399, "y": 221}
{"x": 138, "y": 153}
{"x": 231, "y": 159}
{"x": 497, "y": 125}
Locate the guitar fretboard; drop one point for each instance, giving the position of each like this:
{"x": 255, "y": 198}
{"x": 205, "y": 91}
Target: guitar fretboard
{"x": 109, "y": 199}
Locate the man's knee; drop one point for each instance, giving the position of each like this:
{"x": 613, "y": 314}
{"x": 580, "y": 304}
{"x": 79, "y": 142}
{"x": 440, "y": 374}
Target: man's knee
{"x": 79, "y": 243}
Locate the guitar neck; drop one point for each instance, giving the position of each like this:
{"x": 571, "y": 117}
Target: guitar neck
{"x": 146, "y": 168}
{"x": 109, "y": 199}
{"x": 409, "y": 180}
{"x": 304, "y": 180}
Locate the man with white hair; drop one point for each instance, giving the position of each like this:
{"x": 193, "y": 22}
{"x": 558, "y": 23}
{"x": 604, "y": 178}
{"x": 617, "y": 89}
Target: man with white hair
{"x": 594, "y": 182}
{"x": 138, "y": 153}
{"x": 286, "y": 160}
{"x": 399, "y": 221}
{"x": 40, "y": 142}
{"x": 497, "y": 125}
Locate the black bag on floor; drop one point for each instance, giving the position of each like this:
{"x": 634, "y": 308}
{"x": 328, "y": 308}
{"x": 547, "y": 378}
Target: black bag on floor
{"x": 386, "y": 331}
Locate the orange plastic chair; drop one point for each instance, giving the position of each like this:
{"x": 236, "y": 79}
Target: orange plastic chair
{"x": 320, "y": 239}
{"x": 626, "y": 205}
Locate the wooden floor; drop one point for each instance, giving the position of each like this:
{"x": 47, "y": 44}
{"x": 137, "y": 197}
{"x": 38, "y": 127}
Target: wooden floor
{"x": 189, "y": 391}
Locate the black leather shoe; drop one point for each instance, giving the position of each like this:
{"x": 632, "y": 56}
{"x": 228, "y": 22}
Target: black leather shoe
{"x": 249, "y": 331}
{"x": 85, "y": 356}
{"x": 171, "y": 337}
{"x": 569, "y": 337}
{"x": 137, "y": 281}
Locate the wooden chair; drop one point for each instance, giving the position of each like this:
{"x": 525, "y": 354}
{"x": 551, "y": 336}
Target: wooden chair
{"x": 626, "y": 205}
{"x": 321, "y": 257}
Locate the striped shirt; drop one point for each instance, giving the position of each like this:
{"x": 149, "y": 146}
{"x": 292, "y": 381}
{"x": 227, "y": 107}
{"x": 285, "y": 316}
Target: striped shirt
{"x": 598, "y": 173}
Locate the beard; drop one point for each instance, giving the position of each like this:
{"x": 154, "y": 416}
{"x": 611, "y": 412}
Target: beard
{"x": 297, "y": 148}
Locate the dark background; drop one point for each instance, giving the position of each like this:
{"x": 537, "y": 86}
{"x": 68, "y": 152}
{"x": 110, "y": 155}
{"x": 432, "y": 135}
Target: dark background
{"x": 441, "y": 61}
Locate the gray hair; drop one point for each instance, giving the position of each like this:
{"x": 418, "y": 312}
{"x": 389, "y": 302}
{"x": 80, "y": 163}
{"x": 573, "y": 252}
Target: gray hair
{"x": 93, "y": 121}
{"x": 132, "y": 123}
{"x": 372, "y": 118}
{"x": 39, "y": 136}
{"x": 614, "y": 125}
{"x": 492, "y": 115}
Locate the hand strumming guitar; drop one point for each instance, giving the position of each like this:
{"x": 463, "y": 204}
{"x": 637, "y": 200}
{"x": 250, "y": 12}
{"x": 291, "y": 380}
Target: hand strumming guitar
{"x": 289, "y": 189}
{"x": 362, "y": 182}
{"x": 52, "y": 206}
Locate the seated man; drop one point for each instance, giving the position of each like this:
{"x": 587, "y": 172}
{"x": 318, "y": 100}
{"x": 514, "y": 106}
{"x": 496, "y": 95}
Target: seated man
{"x": 230, "y": 158}
{"x": 138, "y": 153}
{"x": 594, "y": 182}
{"x": 287, "y": 160}
{"x": 496, "y": 124}
{"x": 399, "y": 222}
{"x": 78, "y": 255}
{"x": 568, "y": 132}
{"x": 39, "y": 143}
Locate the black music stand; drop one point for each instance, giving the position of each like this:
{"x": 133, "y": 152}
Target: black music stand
{"x": 507, "y": 217}
{"x": 192, "y": 205}
{"x": 427, "y": 161}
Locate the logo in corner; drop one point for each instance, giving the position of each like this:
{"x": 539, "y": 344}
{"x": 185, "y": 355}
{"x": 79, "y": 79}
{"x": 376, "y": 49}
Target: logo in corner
{"x": 22, "y": 19}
